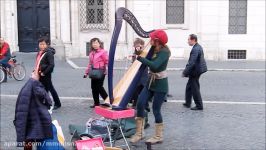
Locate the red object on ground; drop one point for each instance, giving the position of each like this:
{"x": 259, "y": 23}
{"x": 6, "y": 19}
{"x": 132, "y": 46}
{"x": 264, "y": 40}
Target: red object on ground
{"x": 114, "y": 114}
{"x": 89, "y": 144}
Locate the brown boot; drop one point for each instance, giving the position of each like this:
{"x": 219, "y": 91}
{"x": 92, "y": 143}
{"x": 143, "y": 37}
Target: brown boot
{"x": 139, "y": 130}
{"x": 158, "y": 137}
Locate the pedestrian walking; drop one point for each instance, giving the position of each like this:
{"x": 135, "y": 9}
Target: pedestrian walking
{"x": 195, "y": 67}
{"x": 46, "y": 66}
{"x": 96, "y": 70}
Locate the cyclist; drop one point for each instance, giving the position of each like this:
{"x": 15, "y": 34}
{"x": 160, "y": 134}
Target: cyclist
{"x": 5, "y": 55}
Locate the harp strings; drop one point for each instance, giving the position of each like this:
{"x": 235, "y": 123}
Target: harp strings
{"x": 121, "y": 64}
{"x": 123, "y": 61}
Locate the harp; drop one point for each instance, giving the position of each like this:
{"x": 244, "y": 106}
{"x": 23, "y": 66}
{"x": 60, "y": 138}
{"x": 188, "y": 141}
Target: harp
{"x": 120, "y": 95}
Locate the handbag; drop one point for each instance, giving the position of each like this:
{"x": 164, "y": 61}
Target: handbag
{"x": 98, "y": 126}
{"x": 96, "y": 73}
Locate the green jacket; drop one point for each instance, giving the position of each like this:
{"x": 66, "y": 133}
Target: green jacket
{"x": 158, "y": 63}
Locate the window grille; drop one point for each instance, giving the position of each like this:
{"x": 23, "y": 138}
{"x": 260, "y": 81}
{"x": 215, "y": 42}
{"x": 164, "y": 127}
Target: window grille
{"x": 175, "y": 11}
{"x": 237, "y": 17}
{"x": 94, "y": 15}
{"x": 237, "y": 54}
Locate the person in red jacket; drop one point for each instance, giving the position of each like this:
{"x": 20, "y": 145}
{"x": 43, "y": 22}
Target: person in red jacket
{"x": 4, "y": 55}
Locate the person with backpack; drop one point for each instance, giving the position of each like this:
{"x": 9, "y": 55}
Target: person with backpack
{"x": 96, "y": 70}
{"x": 45, "y": 63}
{"x": 156, "y": 87}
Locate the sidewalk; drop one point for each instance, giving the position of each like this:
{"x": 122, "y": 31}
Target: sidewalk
{"x": 179, "y": 64}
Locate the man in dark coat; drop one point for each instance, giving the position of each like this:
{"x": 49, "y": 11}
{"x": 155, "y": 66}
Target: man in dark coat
{"x": 195, "y": 67}
{"x": 32, "y": 119}
{"x": 46, "y": 67}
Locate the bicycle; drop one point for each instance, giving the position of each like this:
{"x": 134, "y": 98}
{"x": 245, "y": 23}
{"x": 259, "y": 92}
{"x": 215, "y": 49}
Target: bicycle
{"x": 17, "y": 70}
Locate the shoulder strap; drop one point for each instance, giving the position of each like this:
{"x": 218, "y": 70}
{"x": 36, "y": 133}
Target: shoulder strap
{"x": 38, "y": 65}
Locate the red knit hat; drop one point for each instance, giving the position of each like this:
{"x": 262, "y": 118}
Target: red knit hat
{"x": 160, "y": 35}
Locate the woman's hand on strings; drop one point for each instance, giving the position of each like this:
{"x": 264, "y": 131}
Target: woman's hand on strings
{"x": 138, "y": 57}
{"x": 138, "y": 50}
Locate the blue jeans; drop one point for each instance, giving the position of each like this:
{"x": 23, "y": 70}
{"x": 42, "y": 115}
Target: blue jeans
{"x": 158, "y": 100}
{"x": 4, "y": 62}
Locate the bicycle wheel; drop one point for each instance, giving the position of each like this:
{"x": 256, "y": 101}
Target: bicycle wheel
{"x": 2, "y": 75}
{"x": 19, "y": 72}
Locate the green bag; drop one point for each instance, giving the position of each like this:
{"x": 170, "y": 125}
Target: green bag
{"x": 96, "y": 73}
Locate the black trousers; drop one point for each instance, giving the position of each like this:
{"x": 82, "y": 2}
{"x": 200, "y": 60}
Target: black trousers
{"x": 49, "y": 87}
{"x": 136, "y": 94}
{"x": 98, "y": 89}
{"x": 193, "y": 90}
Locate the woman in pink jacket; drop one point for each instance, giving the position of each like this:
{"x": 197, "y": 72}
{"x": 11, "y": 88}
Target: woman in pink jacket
{"x": 98, "y": 59}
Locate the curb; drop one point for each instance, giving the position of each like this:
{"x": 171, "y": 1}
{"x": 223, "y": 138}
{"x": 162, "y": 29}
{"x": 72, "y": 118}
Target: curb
{"x": 168, "y": 101}
{"x": 74, "y": 66}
